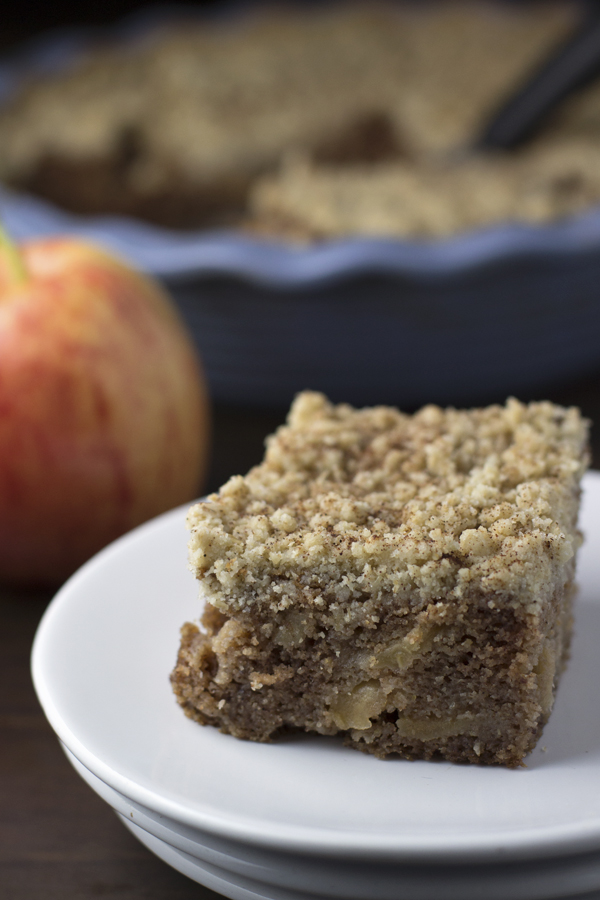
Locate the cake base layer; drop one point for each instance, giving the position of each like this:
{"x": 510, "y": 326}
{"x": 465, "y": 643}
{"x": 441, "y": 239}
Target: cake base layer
{"x": 461, "y": 684}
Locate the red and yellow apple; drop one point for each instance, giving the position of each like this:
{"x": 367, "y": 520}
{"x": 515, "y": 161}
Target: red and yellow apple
{"x": 103, "y": 409}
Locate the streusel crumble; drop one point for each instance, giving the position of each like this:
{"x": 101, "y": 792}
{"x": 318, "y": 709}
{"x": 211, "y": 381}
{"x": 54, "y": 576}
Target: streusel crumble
{"x": 405, "y": 580}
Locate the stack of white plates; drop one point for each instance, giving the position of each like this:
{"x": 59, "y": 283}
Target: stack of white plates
{"x": 306, "y": 817}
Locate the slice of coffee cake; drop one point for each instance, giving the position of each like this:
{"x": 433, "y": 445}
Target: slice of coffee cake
{"x": 405, "y": 580}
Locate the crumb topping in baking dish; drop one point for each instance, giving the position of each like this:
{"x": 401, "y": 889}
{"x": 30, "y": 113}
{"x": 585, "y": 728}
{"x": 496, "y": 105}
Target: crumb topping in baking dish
{"x": 308, "y": 124}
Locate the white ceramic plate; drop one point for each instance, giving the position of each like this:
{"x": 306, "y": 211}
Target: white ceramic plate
{"x": 245, "y": 872}
{"x": 101, "y": 662}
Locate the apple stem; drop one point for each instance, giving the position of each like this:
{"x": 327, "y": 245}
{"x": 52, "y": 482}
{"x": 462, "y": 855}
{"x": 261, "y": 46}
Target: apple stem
{"x": 14, "y": 260}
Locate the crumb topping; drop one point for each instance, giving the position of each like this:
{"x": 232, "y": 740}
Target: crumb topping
{"x": 554, "y": 178}
{"x": 214, "y": 93}
{"x": 350, "y": 504}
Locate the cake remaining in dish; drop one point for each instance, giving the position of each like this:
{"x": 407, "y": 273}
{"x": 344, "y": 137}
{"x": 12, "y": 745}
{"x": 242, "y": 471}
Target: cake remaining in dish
{"x": 426, "y": 198}
{"x": 404, "y": 580}
{"x": 194, "y": 125}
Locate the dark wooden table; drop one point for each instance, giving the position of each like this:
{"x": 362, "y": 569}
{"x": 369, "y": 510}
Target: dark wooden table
{"x": 58, "y": 840}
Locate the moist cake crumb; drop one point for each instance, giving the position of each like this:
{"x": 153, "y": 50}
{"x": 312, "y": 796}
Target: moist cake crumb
{"x": 405, "y": 580}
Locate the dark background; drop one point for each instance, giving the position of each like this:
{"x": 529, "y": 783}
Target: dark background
{"x": 58, "y": 840}
{"x": 21, "y": 20}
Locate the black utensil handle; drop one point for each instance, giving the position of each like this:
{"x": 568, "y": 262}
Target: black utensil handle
{"x": 571, "y": 66}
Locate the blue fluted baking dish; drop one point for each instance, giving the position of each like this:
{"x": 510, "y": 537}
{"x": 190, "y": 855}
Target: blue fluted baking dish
{"x": 460, "y": 320}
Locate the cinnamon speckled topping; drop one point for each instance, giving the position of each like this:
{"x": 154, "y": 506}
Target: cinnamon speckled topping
{"x": 350, "y": 503}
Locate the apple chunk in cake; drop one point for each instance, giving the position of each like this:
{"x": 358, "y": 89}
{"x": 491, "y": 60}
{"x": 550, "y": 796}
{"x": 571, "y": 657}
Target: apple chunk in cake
{"x": 404, "y": 580}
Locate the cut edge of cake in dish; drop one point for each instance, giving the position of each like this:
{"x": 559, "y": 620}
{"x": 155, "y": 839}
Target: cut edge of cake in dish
{"x": 405, "y": 580}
